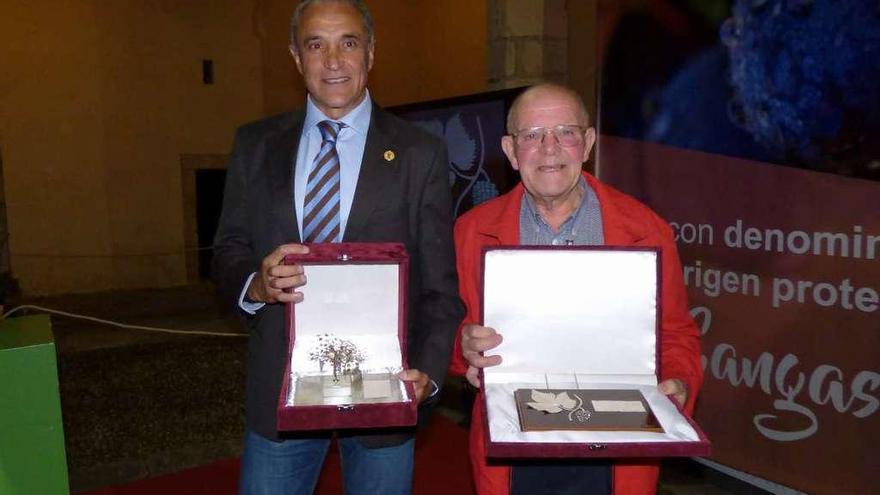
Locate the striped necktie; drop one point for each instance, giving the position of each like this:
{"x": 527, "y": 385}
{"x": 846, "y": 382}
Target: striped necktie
{"x": 321, "y": 206}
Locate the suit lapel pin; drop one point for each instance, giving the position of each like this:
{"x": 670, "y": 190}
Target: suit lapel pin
{"x": 389, "y": 155}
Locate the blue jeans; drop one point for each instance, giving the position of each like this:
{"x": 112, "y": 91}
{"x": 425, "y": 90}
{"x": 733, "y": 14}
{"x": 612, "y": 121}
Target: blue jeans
{"x": 292, "y": 467}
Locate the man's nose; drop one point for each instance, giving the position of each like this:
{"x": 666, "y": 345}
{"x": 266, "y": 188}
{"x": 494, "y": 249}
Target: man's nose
{"x": 331, "y": 58}
{"x": 549, "y": 142}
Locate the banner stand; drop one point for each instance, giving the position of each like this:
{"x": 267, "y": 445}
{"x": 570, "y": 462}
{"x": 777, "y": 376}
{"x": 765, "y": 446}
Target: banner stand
{"x": 774, "y": 488}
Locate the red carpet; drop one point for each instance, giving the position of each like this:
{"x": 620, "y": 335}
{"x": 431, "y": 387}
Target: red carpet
{"x": 441, "y": 468}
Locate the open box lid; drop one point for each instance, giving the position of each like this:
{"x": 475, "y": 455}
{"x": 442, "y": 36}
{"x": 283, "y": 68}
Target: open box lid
{"x": 577, "y": 318}
{"x": 586, "y": 310}
{"x": 354, "y": 292}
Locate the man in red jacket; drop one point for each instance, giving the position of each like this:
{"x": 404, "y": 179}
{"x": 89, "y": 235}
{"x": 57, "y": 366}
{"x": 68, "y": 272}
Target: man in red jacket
{"x": 549, "y": 138}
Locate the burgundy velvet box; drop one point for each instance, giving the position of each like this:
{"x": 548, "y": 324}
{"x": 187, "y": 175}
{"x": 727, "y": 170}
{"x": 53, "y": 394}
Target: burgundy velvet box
{"x": 356, "y": 292}
{"x": 584, "y": 318}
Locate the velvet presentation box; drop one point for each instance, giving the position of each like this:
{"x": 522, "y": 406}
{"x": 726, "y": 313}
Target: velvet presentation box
{"x": 355, "y": 292}
{"x": 585, "y": 319}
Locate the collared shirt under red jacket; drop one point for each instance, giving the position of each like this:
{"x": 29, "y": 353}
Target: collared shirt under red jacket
{"x": 626, "y": 222}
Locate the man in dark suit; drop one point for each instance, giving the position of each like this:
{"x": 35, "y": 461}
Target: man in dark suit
{"x": 342, "y": 169}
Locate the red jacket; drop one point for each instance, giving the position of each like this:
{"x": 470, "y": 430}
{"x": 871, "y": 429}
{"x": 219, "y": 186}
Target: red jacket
{"x": 626, "y": 222}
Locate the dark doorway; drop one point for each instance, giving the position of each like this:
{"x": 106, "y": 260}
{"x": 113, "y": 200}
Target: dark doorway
{"x": 209, "y": 201}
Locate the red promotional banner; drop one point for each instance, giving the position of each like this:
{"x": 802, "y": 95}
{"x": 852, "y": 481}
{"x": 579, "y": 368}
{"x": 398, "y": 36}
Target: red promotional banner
{"x": 783, "y": 273}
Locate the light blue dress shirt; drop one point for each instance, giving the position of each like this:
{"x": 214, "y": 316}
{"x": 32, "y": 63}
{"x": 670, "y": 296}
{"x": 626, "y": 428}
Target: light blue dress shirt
{"x": 350, "y": 145}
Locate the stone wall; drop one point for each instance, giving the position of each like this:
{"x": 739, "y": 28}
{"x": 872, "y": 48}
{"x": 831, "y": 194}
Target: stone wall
{"x": 530, "y": 41}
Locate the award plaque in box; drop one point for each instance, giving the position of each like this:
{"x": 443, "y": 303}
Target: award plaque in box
{"x": 347, "y": 341}
{"x": 580, "y": 360}
{"x": 584, "y": 410}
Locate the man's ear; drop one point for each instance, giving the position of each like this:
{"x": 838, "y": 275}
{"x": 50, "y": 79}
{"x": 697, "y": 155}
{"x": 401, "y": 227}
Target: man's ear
{"x": 370, "y": 56}
{"x": 589, "y": 141}
{"x": 508, "y": 147}
{"x": 295, "y": 54}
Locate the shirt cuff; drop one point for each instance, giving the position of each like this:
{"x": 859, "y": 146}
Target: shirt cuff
{"x": 248, "y": 307}
{"x": 434, "y": 389}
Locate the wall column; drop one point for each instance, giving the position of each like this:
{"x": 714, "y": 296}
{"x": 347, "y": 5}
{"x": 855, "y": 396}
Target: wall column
{"x": 532, "y": 41}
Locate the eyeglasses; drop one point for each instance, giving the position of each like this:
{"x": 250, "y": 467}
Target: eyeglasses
{"x": 567, "y": 136}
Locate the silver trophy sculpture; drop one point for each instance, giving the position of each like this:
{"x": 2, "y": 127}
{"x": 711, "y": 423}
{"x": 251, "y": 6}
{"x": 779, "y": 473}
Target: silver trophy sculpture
{"x": 345, "y": 357}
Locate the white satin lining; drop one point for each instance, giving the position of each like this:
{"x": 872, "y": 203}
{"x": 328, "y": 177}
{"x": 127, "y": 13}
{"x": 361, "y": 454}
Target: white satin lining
{"x": 359, "y": 303}
{"x": 504, "y": 420}
{"x": 356, "y": 302}
{"x": 565, "y": 311}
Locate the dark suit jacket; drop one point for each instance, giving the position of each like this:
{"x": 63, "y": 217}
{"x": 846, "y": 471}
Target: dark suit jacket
{"x": 405, "y": 200}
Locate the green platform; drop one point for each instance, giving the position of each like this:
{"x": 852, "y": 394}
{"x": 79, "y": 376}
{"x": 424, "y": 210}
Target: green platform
{"x": 32, "y": 458}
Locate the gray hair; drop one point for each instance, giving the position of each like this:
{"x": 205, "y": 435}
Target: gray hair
{"x": 358, "y": 4}
{"x": 540, "y": 88}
